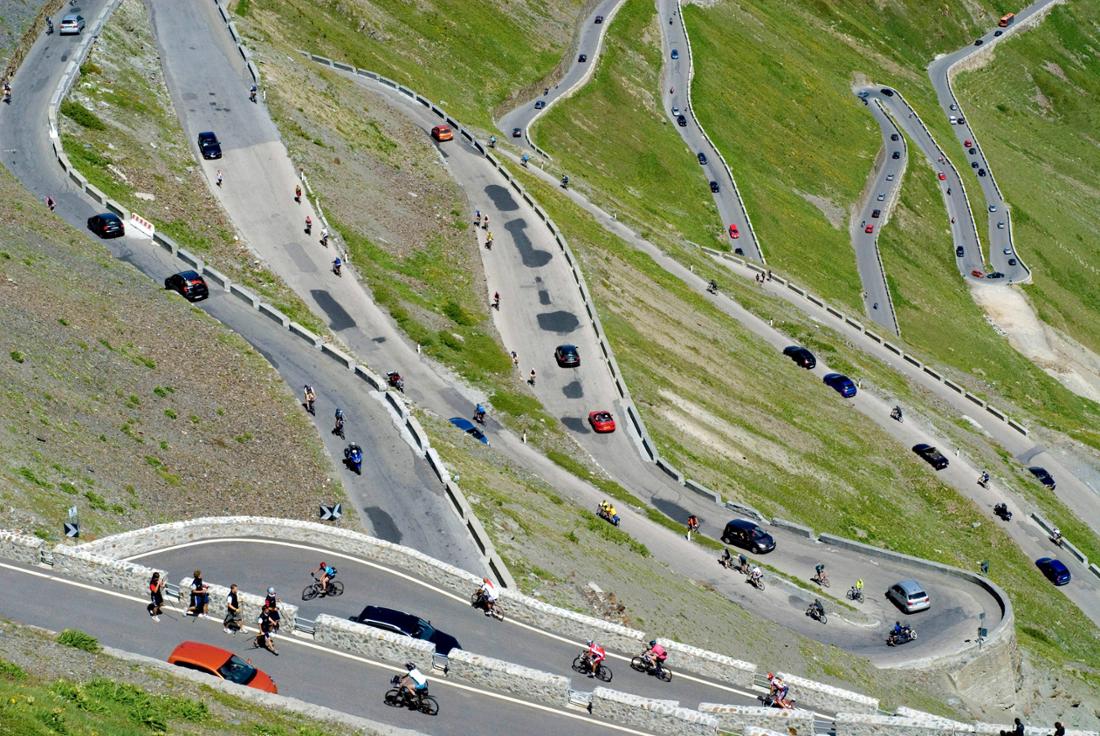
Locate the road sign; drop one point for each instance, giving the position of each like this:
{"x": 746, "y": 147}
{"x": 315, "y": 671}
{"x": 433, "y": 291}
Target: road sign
{"x": 331, "y": 513}
{"x": 72, "y": 529}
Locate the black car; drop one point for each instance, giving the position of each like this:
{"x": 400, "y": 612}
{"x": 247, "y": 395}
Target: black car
{"x": 702, "y": 158}
{"x": 981, "y": 172}
{"x": 414, "y": 627}
{"x": 1012, "y": 261}
{"x": 979, "y": 42}
{"x": 517, "y": 133}
{"x": 1044, "y": 477}
{"x": 107, "y": 225}
{"x": 539, "y": 104}
{"x": 681, "y": 121}
{"x": 931, "y": 456}
{"x": 959, "y": 251}
{"x": 973, "y": 164}
{"x": 800, "y": 355}
{"x": 748, "y": 535}
{"x": 599, "y": 19}
{"x": 567, "y": 356}
{"x": 895, "y": 137}
{"x": 714, "y": 187}
{"x": 189, "y": 284}
{"x": 895, "y": 155}
{"x": 973, "y": 150}
{"x": 961, "y": 121}
{"x": 998, "y": 33}
{"x": 209, "y": 145}
{"x": 582, "y": 58}
{"x": 876, "y": 213}
{"x": 887, "y": 91}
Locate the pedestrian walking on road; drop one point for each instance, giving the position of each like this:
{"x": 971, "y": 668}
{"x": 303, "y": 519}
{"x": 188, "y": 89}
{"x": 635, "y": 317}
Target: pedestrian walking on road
{"x": 692, "y": 527}
{"x": 50, "y": 203}
{"x": 531, "y": 378}
{"x": 477, "y": 218}
{"x": 156, "y": 596}
{"x": 769, "y": 274}
{"x": 485, "y": 222}
{"x": 496, "y": 300}
{"x": 200, "y": 595}
{"x": 515, "y": 359}
{"x": 218, "y": 179}
{"x": 298, "y": 193}
{"x": 1059, "y": 729}
{"x": 1018, "y": 729}
{"x": 232, "y": 621}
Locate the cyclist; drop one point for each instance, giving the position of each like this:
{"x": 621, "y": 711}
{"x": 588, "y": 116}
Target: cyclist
{"x": 270, "y": 601}
{"x": 326, "y": 573}
{"x": 756, "y": 575}
{"x": 594, "y": 656}
{"x": 655, "y": 655}
{"x": 726, "y": 560}
{"x": 488, "y": 594}
{"x": 822, "y": 577}
{"x": 308, "y": 397}
{"x": 339, "y": 428}
{"x": 742, "y": 563}
{"x": 414, "y": 681}
{"x": 859, "y": 585}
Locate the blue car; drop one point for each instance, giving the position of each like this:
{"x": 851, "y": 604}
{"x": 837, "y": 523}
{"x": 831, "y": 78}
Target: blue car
{"x": 841, "y": 384}
{"x": 468, "y": 427}
{"x": 1055, "y": 571}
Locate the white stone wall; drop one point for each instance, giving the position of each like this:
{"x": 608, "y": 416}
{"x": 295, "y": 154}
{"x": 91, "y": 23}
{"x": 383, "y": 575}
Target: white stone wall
{"x": 20, "y": 547}
{"x": 664, "y": 717}
{"x": 740, "y": 718}
{"x": 368, "y": 641}
{"x": 103, "y": 571}
{"x": 500, "y": 676}
{"x": 810, "y": 694}
{"x": 709, "y": 664}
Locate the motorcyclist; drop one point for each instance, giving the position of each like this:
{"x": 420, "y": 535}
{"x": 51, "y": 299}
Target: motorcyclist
{"x": 1056, "y": 536}
{"x": 308, "y": 397}
{"x": 712, "y": 286}
{"x": 394, "y": 378}
{"x": 655, "y": 655}
{"x": 564, "y": 181}
{"x": 488, "y": 595}
{"x": 594, "y": 656}
{"x": 896, "y": 413}
{"x": 479, "y": 414}
{"x": 337, "y": 264}
{"x": 612, "y": 514}
{"x": 489, "y": 240}
{"x": 524, "y": 159}
{"x": 531, "y": 378}
{"x": 339, "y": 426}
{"x": 309, "y": 224}
{"x": 777, "y": 688}
{"x": 324, "y": 236}
{"x": 859, "y": 586}
{"x": 49, "y": 25}
{"x": 414, "y": 682}
{"x": 983, "y": 479}
{"x": 352, "y": 451}
{"x": 822, "y": 577}
{"x": 817, "y": 609}
{"x": 50, "y": 203}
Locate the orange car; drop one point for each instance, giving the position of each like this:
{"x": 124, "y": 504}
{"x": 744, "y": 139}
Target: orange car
{"x": 442, "y": 133}
{"x": 195, "y": 655}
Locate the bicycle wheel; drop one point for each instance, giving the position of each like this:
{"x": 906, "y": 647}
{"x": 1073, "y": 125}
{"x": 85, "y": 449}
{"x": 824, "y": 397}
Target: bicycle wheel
{"x": 309, "y": 592}
{"x": 851, "y": 594}
{"x": 603, "y": 674}
{"x": 638, "y": 664}
{"x": 824, "y": 582}
{"x": 666, "y": 674}
{"x": 579, "y": 665}
{"x": 335, "y": 587}
{"x": 428, "y": 706}
{"x": 393, "y": 698}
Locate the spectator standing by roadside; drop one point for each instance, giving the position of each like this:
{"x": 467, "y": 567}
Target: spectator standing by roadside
{"x": 1059, "y": 729}
{"x": 156, "y": 596}
{"x": 692, "y": 526}
{"x": 200, "y": 595}
{"x": 1018, "y": 729}
{"x": 219, "y": 178}
{"x": 232, "y": 621}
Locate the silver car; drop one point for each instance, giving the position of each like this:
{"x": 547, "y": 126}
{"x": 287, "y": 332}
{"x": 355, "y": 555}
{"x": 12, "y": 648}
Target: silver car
{"x": 71, "y": 24}
{"x": 909, "y": 596}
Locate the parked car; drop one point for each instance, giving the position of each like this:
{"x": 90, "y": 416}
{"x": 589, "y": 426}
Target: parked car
{"x": 209, "y": 145}
{"x": 71, "y": 25}
{"x": 841, "y": 384}
{"x": 1043, "y": 476}
{"x": 800, "y": 356}
{"x": 959, "y": 251}
{"x": 1054, "y": 570}
{"x": 714, "y": 187}
{"x": 930, "y": 455}
{"x": 107, "y": 225}
{"x": 747, "y": 535}
{"x": 218, "y": 662}
{"x": 444, "y": 133}
{"x": 468, "y": 427}
{"x": 909, "y": 596}
{"x": 414, "y": 627}
{"x": 190, "y": 285}
{"x": 602, "y": 422}
{"x": 567, "y": 356}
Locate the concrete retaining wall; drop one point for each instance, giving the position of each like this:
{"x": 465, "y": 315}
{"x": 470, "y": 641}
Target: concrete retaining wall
{"x": 251, "y": 605}
{"x": 500, "y": 676}
{"x": 21, "y": 547}
{"x": 655, "y": 716}
{"x": 708, "y": 664}
{"x": 569, "y": 623}
{"x": 348, "y": 636}
{"x": 742, "y": 718}
{"x": 104, "y": 571}
{"x": 817, "y": 695}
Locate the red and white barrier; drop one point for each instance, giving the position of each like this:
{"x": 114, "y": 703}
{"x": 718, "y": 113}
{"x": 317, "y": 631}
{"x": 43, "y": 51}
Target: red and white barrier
{"x": 141, "y": 225}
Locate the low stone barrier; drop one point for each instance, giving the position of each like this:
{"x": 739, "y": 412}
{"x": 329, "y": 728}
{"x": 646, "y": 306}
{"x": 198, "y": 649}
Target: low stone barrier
{"x": 654, "y": 716}
{"x": 818, "y": 695}
{"x": 708, "y": 664}
{"x": 21, "y": 547}
{"x": 569, "y": 623}
{"x": 863, "y": 724}
{"x": 251, "y": 605}
{"x": 348, "y": 636}
{"x": 741, "y": 718}
{"x": 104, "y": 571}
{"x": 988, "y": 729}
{"x": 501, "y": 676}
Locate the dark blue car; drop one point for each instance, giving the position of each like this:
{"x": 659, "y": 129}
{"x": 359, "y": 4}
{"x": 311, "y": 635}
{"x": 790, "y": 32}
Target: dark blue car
{"x": 468, "y": 427}
{"x": 1055, "y": 571}
{"x": 841, "y": 384}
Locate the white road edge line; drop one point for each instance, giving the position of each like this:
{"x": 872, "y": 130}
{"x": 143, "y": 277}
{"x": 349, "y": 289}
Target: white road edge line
{"x": 345, "y": 655}
{"x": 440, "y": 591}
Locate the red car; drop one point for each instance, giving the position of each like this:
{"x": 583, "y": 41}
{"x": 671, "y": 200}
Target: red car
{"x": 218, "y": 662}
{"x": 602, "y": 422}
{"x": 968, "y": 143}
{"x": 942, "y": 176}
{"x": 870, "y": 228}
{"x": 734, "y": 232}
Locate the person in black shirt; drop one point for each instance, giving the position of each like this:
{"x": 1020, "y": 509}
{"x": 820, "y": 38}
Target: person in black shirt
{"x": 232, "y": 621}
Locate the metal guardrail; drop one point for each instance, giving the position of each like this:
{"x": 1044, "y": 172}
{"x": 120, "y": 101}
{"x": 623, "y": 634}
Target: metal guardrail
{"x": 45, "y": 556}
{"x": 305, "y": 625}
{"x": 440, "y": 662}
{"x": 579, "y": 699}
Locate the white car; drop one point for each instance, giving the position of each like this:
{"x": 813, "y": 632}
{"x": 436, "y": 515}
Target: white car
{"x": 889, "y": 177}
{"x": 71, "y": 25}
{"x": 675, "y": 111}
{"x": 1007, "y": 251}
{"x": 882, "y": 197}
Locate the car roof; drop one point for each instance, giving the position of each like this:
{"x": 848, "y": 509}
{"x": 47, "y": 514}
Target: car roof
{"x": 923, "y": 446}
{"x": 743, "y": 524}
{"x": 71, "y": 16}
{"x": 567, "y": 346}
{"x": 207, "y": 655}
{"x": 835, "y": 377}
{"x": 462, "y": 423}
{"x": 190, "y": 275}
{"x": 909, "y": 586}
{"x": 109, "y": 216}
{"x": 208, "y": 134}
{"x": 1053, "y": 563}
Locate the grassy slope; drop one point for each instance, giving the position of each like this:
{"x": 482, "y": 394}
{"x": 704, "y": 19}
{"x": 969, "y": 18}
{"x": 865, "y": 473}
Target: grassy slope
{"x": 760, "y": 433}
{"x": 468, "y": 56}
{"x": 98, "y": 409}
{"x": 1035, "y": 108}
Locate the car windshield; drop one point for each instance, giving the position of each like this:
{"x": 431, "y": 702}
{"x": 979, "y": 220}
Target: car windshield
{"x": 237, "y": 670}
{"x": 758, "y": 533}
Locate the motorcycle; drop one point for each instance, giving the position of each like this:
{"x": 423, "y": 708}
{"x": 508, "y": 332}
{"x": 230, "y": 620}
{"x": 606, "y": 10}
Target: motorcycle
{"x": 353, "y": 458}
{"x": 983, "y": 480}
{"x": 49, "y": 27}
{"x": 478, "y": 600}
{"x": 712, "y": 287}
{"x": 611, "y": 519}
{"x": 398, "y": 697}
{"x": 855, "y": 594}
{"x": 479, "y": 415}
{"x": 565, "y": 182}
{"x": 1002, "y": 511}
{"x": 816, "y": 611}
{"x": 639, "y": 664}
{"x": 905, "y": 636}
{"x": 895, "y": 414}
{"x": 396, "y": 381}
